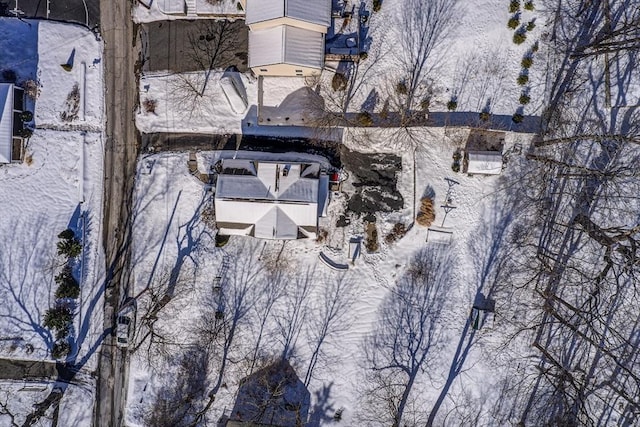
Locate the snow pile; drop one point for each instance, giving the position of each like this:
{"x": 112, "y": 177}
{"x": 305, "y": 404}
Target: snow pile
{"x": 162, "y": 10}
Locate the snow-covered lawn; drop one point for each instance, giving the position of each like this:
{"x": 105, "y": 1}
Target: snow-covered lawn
{"x": 474, "y": 63}
{"x": 175, "y": 253}
{"x": 58, "y": 186}
{"x": 17, "y": 397}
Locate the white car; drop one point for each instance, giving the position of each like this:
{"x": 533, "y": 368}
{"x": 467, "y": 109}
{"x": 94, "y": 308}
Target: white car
{"x": 123, "y": 329}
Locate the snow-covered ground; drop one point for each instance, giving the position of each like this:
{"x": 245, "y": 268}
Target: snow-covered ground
{"x": 175, "y": 252}
{"x": 58, "y": 186}
{"x": 476, "y": 63}
{"x": 17, "y": 398}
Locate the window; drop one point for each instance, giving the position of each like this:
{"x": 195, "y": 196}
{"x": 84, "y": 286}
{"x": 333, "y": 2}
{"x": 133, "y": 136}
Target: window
{"x": 263, "y": 70}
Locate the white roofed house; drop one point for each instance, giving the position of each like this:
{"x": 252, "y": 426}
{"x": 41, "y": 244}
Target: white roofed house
{"x": 286, "y": 37}
{"x": 268, "y": 200}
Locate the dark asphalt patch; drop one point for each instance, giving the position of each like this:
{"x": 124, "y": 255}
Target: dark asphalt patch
{"x": 374, "y": 177}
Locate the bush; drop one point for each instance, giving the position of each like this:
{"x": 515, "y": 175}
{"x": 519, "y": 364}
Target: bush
{"x": 535, "y": 47}
{"x": 25, "y": 133}
{"x": 514, "y": 6}
{"x": 523, "y": 79}
{"x": 485, "y": 116}
{"x": 517, "y": 118}
{"x": 339, "y": 82}
{"x": 239, "y": 6}
{"x": 67, "y": 234}
{"x": 365, "y": 119}
{"x": 68, "y": 286}
{"x": 32, "y": 89}
{"x": 455, "y": 166}
{"x": 57, "y": 318}
{"x": 371, "y": 242}
{"x": 60, "y": 350}
{"x": 377, "y": 4}
{"x": 26, "y": 116}
{"x": 426, "y": 214}
{"x": 519, "y": 37}
{"x": 524, "y": 99}
{"x": 221, "y": 240}
{"x": 401, "y": 87}
{"x": 528, "y": 5}
{"x": 149, "y": 105}
{"x": 64, "y": 276}
{"x": 452, "y": 105}
{"x": 514, "y": 21}
{"x": 531, "y": 25}
{"x": 70, "y": 248}
{"x": 363, "y": 56}
{"x": 397, "y": 233}
{"x": 63, "y": 333}
{"x": 457, "y": 156}
{"x": 526, "y": 62}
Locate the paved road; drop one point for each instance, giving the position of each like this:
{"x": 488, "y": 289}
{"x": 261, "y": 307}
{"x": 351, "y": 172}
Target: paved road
{"x": 86, "y": 12}
{"x": 121, "y": 50}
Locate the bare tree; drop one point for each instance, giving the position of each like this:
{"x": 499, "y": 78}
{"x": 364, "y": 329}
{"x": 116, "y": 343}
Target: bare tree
{"x": 210, "y": 45}
{"x": 409, "y": 327}
{"x": 423, "y": 26}
{"x": 329, "y": 317}
{"x": 292, "y": 317}
{"x": 228, "y": 313}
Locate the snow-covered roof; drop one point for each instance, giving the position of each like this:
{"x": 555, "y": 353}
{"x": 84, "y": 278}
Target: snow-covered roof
{"x": 6, "y": 122}
{"x": 286, "y": 44}
{"x": 314, "y": 11}
{"x": 484, "y": 162}
{"x": 277, "y": 198}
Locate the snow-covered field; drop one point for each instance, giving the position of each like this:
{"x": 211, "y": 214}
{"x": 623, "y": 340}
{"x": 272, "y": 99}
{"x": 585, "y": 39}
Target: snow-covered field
{"x": 175, "y": 252}
{"x": 58, "y": 186}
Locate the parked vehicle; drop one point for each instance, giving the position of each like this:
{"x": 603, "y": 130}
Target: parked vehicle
{"x": 123, "y": 329}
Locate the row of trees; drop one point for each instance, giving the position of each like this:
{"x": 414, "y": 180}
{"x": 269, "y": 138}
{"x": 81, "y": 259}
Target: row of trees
{"x": 263, "y": 310}
{"x": 59, "y": 318}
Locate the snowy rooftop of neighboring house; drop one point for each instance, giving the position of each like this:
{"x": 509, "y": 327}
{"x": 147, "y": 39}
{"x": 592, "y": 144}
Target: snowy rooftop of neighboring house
{"x": 286, "y": 44}
{"x": 484, "y": 162}
{"x": 314, "y": 11}
{"x": 6, "y": 122}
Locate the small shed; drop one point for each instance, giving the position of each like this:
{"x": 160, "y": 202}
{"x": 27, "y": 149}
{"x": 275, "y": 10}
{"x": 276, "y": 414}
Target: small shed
{"x": 484, "y": 162}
